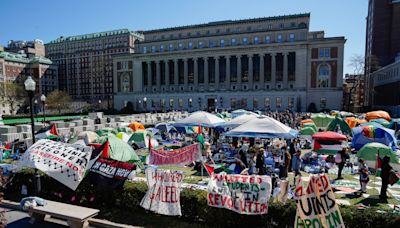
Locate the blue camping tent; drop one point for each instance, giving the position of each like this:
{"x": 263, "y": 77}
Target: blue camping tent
{"x": 386, "y": 137}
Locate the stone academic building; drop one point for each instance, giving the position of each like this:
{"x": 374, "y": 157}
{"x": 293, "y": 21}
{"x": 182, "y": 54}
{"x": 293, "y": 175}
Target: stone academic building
{"x": 271, "y": 63}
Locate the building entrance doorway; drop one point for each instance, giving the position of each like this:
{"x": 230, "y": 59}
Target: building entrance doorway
{"x": 211, "y": 104}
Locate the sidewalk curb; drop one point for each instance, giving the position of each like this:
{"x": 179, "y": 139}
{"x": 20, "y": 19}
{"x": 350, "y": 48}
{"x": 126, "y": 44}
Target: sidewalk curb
{"x": 93, "y": 221}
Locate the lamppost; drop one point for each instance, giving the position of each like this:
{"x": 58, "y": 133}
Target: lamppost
{"x": 199, "y": 100}
{"x": 139, "y": 104}
{"x": 216, "y": 104}
{"x": 145, "y": 103}
{"x": 35, "y": 106}
{"x": 190, "y": 104}
{"x": 30, "y": 86}
{"x": 43, "y": 99}
{"x": 99, "y": 105}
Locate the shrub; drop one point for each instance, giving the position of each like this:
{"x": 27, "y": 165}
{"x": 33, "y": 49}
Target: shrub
{"x": 118, "y": 205}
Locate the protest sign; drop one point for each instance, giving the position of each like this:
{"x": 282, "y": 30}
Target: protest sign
{"x": 64, "y": 162}
{"x": 240, "y": 193}
{"x": 111, "y": 173}
{"x": 316, "y": 204}
{"x": 163, "y": 194}
{"x": 183, "y": 155}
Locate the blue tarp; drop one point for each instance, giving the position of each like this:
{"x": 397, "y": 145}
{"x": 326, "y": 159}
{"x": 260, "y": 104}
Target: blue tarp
{"x": 359, "y": 139}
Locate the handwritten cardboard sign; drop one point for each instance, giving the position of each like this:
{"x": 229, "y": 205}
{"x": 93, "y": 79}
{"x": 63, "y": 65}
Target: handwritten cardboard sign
{"x": 240, "y": 193}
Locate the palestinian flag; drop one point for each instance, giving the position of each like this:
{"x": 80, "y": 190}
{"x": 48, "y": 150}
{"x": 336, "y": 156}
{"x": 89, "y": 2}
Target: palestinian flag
{"x": 49, "y": 132}
{"x": 210, "y": 169}
{"x": 327, "y": 146}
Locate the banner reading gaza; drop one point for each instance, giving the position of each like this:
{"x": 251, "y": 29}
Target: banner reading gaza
{"x": 316, "y": 204}
{"x": 64, "y": 162}
{"x": 240, "y": 193}
{"x": 183, "y": 155}
{"x": 113, "y": 173}
{"x": 163, "y": 194}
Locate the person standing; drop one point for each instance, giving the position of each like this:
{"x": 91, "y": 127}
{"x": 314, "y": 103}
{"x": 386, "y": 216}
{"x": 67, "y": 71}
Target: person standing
{"x": 385, "y": 173}
{"x": 292, "y": 151}
{"x": 363, "y": 171}
{"x": 341, "y": 162}
{"x": 260, "y": 164}
{"x": 287, "y": 163}
{"x": 296, "y": 164}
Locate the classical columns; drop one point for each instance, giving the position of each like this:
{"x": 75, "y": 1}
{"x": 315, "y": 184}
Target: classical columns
{"x": 149, "y": 82}
{"x": 158, "y": 75}
{"x": 185, "y": 73}
{"x": 196, "y": 73}
{"x": 216, "y": 72}
{"x": 273, "y": 70}
{"x": 250, "y": 71}
{"x": 176, "y": 81}
{"x": 285, "y": 70}
{"x": 205, "y": 72}
{"x": 228, "y": 71}
{"x": 262, "y": 74}
{"x": 239, "y": 70}
{"x": 166, "y": 68}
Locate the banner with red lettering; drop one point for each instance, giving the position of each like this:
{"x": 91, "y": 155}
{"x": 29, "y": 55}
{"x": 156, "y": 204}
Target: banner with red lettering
{"x": 240, "y": 193}
{"x": 109, "y": 173}
{"x": 183, "y": 155}
{"x": 316, "y": 204}
{"x": 163, "y": 194}
{"x": 64, "y": 162}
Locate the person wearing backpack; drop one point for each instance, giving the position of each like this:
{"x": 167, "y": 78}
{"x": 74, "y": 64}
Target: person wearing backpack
{"x": 340, "y": 160}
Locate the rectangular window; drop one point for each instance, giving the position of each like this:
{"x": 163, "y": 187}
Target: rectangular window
{"x": 279, "y": 38}
{"x": 243, "y": 103}
{"x": 201, "y": 44}
{"x": 211, "y": 44}
{"x": 171, "y": 47}
{"x": 256, "y": 41}
{"x": 322, "y": 103}
{"x": 267, "y": 103}
{"x": 180, "y": 46}
{"x": 278, "y": 102}
{"x": 324, "y": 52}
{"x": 161, "y": 48}
{"x": 255, "y": 103}
{"x": 233, "y": 41}
{"x": 291, "y": 37}
{"x": 153, "y": 48}
{"x": 180, "y": 102}
{"x": 190, "y": 45}
{"x": 171, "y": 103}
{"x": 233, "y": 103}
{"x": 267, "y": 39}
{"x": 290, "y": 102}
{"x": 244, "y": 41}
{"x": 144, "y": 50}
{"x": 222, "y": 43}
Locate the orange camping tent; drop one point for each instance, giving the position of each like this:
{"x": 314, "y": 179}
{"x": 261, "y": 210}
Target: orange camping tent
{"x": 136, "y": 126}
{"x": 377, "y": 115}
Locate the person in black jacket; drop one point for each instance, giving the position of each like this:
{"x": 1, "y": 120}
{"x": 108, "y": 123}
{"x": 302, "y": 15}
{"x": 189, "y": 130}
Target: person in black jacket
{"x": 260, "y": 165}
{"x": 344, "y": 157}
{"x": 385, "y": 173}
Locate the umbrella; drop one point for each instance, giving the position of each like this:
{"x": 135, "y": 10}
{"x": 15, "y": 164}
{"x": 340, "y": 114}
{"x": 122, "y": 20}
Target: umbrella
{"x": 369, "y": 151}
{"x": 372, "y": 132}
{"x": 136, "y": 126}
{"x": 307, "y": 131}
{"x": 263, "y": 127}
{"x": 240, "y": 120}
{"x": 204, "y": 119}
{"x": 165, "y": 127}
{"x": 238, "y": 112}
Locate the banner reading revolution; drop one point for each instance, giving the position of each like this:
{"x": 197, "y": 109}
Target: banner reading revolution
{"x": 163, "y": 194}
{"x": 240, "y": 193}
{"x": 316, "y": 204}
{"x": 183, "y": 155}
{"x": 64, "y": 162}
{"x": 111, "y": 173}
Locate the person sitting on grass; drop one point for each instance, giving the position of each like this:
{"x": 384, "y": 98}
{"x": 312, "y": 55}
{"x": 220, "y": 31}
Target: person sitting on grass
{"x": 363, "y": 171}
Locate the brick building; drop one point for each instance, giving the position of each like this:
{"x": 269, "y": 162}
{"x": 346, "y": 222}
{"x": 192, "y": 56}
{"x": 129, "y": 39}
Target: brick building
{"x": 85, "y": 63}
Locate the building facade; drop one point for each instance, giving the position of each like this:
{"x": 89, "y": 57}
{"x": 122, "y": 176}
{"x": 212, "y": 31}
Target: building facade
{"x": 271, "y": 63}
{"x": 353, "y": 93}
{"x": 85, "y": 63}
{"x": 15, "y": 68}
{"x": 382, "y": 39}
{"x": 30, "y": 48}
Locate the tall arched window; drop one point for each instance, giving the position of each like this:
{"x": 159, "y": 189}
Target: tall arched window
{"x": 324, "y": 73}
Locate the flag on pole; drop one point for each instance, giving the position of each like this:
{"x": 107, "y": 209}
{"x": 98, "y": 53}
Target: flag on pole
{"x": 199, "y": 130}
{"x": 150, "y": 146}
{"x": 49, "y": 132}
{"x": 209, "y": 168}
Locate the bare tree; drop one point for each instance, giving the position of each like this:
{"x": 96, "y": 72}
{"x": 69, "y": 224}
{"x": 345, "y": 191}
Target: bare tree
{"x": 357, "y": 62}
{"x": 13, "y": 94}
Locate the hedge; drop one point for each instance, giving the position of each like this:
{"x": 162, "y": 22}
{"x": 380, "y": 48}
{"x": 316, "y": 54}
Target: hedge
{"x": 123, "y": 206}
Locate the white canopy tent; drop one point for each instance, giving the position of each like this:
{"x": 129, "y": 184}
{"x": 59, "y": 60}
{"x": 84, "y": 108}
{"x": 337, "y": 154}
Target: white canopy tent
{"x": 263, "y": 127}
{"x": 241, "y": 119}
{"x": 201, "y": 118}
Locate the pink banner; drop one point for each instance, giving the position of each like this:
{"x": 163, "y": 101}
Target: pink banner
{"x": 183, "y": 155}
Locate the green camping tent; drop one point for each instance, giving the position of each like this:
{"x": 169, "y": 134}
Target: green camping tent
{"x": 381, "y": 121}
{"x": 140, "y": 138}
{"x": 106, "y": 130}
{"x": 322, "y": 120}
{"x": 344, "y": 127}
{"x": 121, "y": 151}
{"x": 369, "y": 151}
{"x": 125, "y": 130}
{"x": 307, "y": 131}
{"x": 311, "y": 125}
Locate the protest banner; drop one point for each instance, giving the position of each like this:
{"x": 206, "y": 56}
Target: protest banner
{"x": 183, "y": 155}
{"x": 163, "y": 194}
{"x": 110, "y": 173}
{"x": 64, "y": 162}
{"x": 316, "y": 204}
{"x": 240, "y": 193}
